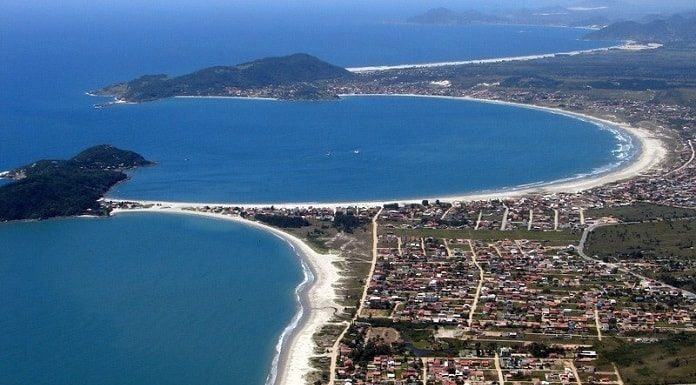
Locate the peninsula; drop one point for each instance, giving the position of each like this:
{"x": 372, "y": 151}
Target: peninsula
{"x": 59, "y": 188}
{"x": 291, "y": 77}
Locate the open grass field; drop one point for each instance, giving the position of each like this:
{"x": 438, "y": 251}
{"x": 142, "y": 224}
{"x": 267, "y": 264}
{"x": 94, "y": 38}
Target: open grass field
{"x": 675, "y": 238}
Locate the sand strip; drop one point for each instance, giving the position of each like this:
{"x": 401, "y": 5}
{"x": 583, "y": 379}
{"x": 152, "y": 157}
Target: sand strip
{"x": 628, "y": 46}
{"x": 317, "y": 298}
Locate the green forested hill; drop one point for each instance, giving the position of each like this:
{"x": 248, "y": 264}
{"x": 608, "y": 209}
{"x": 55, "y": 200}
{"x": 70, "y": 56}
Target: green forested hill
{"x": 56, "y": 188}
{"x": 273, "y": 71}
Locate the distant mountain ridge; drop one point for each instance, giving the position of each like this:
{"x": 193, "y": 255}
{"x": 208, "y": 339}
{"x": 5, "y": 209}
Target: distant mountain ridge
{"x": 285, "y": 71}
{"x": 587, "y": 14}
{"x": 677, "y": 28}
{"x": 595, "y": 14}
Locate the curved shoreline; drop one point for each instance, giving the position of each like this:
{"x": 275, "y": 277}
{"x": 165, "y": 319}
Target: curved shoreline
{"x": 315, "y": 296}
{"x": 649, "y": 155}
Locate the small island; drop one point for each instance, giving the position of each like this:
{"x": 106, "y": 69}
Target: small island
{"x": 296, "y": 76}
{"x": 60, "y": 188}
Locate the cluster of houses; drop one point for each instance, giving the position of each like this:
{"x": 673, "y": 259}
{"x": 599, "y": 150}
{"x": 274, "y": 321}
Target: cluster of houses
{"x": 520, "y": 367}
{"x": 382, "y": 369}
{"x": 531, "y": 288}
{"x": 458, "y": 370}
{"x": 535, "y": 212}
{"x": 527, "y": 288}
{"x": 644, "y": 308}
{"x": 421, "y": 280}
{"x": 366, "y": 359}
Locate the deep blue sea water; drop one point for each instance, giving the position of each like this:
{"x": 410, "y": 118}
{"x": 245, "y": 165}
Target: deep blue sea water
{"x": 273, "y": 151}
{"x": 358, "y": 148}
{"x": 148, "y": 299}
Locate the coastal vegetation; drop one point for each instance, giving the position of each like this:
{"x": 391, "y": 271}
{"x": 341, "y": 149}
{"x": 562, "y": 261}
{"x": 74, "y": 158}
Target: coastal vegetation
{"x": 363, "y": 349}
{"x": 282, "y": 221}
{"x": 663, "y": 249}
{"x": 641, "y": 212}
{"x": 666, "y": 238}
{"x": 667, "y": 361}
{"x": 348, "y": 222}
{"x": 58, "y": 188}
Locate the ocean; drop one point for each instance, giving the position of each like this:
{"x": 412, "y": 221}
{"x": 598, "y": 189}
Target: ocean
{"x": 358, "y": 148}
{"x": 143, "y": 299}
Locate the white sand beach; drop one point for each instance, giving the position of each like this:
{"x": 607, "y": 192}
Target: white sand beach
{"x": 317, "y": 298}
{"x": 628, "y": 45}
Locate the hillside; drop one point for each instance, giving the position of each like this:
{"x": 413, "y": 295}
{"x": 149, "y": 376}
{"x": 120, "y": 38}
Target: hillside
{"x": 575, "y": 16}
{"x": 679, "y": 28}
{"x": 58, "y": 188}
{"x": 294, "y": 73}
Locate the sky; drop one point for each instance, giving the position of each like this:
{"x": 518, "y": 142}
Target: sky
{"x": 372, "y": 5}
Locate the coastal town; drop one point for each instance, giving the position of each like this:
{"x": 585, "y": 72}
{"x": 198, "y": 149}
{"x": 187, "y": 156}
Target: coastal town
{"x": 491, "y": 291}
{"x": 507, "y": 287}
{"x": 543, "y": 284}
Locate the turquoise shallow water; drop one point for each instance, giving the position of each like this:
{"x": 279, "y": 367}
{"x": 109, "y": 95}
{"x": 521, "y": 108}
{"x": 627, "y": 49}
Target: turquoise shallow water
{"x": 142, "y": 299}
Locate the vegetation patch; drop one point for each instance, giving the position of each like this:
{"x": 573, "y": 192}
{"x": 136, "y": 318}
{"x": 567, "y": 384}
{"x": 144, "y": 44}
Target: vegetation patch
{"x": 668, "y": 361}
{"x": 669, "y": 238}
{"x": 641, "y": 212}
